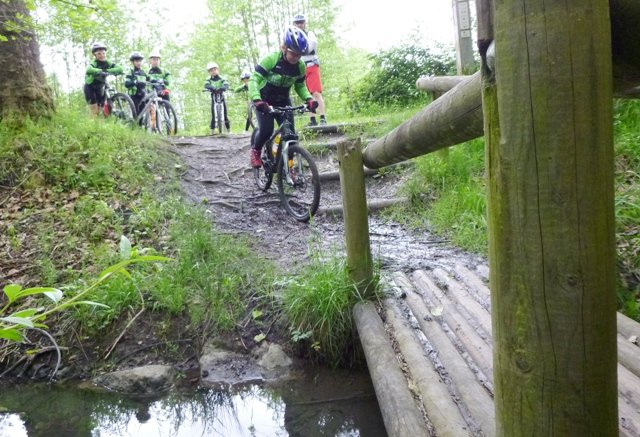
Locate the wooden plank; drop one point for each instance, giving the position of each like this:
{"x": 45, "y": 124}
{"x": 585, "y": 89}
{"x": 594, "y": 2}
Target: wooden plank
{"x": 442, "y": 411}
{"x": 479, "y": 289}
{"x": 478, "y": 347}
{"x": 399, "y": 412}
{"x": 629, "y": 355}
{"x": 627, "y": 327}
{"x": 476, "y": 398}
{"x": 460, "y": 295}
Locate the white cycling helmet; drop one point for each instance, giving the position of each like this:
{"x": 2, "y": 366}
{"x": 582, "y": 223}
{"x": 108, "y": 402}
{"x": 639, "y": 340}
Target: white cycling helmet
{"x": 245, "y": 75}
{"x": 211, "y": 65}
{"x": 155, "y": 54}
{"x": 98, "y": 45}
{"x": 298, "y": 18}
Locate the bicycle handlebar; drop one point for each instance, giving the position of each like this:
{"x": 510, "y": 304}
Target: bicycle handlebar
{"x": 284, "y": 109}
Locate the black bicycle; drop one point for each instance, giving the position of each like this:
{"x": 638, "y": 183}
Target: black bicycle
{"x": 298, "y": 179}
{"x": 117, "y": 105}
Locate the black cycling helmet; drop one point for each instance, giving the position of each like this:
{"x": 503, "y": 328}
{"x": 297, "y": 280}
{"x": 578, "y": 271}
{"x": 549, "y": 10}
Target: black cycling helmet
{"x": 295, "y": 40}
{"x": 98, "y": 45}
{"x": 136, "y": 56}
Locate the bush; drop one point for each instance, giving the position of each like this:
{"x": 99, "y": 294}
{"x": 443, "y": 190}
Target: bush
{"x": 393, "y": 75}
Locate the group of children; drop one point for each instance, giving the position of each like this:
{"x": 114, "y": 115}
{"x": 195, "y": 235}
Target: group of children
{"x": 295, "y": 65}
{"x": 136, "y": 80}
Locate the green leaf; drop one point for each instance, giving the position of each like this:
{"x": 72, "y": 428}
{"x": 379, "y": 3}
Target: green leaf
{"x": 12, "y": 291}
{"x": 125, "y": 248}
{"x": 29, "y": 312}
{"x": 52, "y": 293}
{"x": 91, "y": 303}
{"x": 11, "y": 334}
{"x": 258, "y": 338}
{"x": 17, "y": 321}
{"x": 256, "y": 314}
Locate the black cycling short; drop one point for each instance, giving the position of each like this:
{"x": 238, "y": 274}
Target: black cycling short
{"x": 94, "y": 94}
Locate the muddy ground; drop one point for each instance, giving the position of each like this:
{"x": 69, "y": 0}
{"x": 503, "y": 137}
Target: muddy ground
{"x": 217, "y": 174}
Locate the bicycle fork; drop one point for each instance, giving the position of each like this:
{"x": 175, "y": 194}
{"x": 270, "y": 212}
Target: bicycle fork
{"x": 287, "y": 162}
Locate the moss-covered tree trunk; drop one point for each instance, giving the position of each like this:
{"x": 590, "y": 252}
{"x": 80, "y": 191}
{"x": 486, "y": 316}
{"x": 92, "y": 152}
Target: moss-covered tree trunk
{"x": 548, "y": 129}
{"x": 24, "y": 90}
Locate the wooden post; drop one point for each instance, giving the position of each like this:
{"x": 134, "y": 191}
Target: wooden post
{"x": 356, "y": 219}
{"x": 464, "y": 44}
{"x": 549, "y": 152}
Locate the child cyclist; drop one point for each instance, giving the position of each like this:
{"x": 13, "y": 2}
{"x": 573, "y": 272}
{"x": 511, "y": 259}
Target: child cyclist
{"x": 271, "y": 82}
{"x": 96, "y": 75}
{"x": 157, "y": 73}
{"x": 136, "y": 80}
{"x": 217, "y": 83}
{"x": 244, "y": 89}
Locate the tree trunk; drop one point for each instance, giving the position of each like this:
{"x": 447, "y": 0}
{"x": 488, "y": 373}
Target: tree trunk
{"x": 24, "y": 91}
{"x": 549, "y": 156}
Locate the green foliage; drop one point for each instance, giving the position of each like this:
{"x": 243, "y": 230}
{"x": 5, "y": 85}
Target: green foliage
{"x": 391, "y": 81}
{"x": 33, "y": 315}
{"x": 447, "y": 193}
{"x": 627, "y": 143}
{"x": 91, "y": 181}
{"x": 318, "y": 303}
{"x": 214, "y": 274}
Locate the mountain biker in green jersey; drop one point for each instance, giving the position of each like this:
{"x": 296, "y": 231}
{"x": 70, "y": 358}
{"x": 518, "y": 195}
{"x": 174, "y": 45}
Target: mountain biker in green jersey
{"x": 156, "y": 73}
{"x": 217, "y": 83}
{"x": 136, "y": 80}
{"x": 96, "y": 75}
{"x": 244, "y": 89}
{"x": 271, "y": 83}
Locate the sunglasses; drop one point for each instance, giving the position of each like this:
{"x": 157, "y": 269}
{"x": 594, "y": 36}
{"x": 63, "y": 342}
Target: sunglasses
{"x": 294, "y": 54}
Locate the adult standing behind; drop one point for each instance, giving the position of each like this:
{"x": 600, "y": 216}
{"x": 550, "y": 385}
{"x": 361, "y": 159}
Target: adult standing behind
{"x": 157, "y": 73}
{"x": 271, "y": 83}
{"x": 96, "y": 76}
{"x": 312, "y": 63}
{"x": 244, "y": 89}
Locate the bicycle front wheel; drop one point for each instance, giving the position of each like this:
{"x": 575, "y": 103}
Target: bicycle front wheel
{"x": 220, "y": 116}
{"x": 299, "y": 186}
{"x": 123, "y": 109}
{"x": 170, "y": 118}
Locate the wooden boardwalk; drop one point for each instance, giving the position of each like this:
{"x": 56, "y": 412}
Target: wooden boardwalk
{"x": 429, "y": 352}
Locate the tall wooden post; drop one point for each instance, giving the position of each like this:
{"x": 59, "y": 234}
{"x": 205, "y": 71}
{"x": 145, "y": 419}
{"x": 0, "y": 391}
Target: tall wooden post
{"x": 548, "y": 131}
{"x": 464, "y": 44}
{"x": 356, "y": 216}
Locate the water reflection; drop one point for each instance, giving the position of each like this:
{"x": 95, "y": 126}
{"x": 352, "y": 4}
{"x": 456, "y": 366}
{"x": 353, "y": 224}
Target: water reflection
{"x": 311, "y": 407}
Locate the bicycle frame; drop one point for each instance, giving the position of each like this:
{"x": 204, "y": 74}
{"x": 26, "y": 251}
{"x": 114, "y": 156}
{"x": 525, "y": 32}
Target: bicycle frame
{"x": 297, "y": 173}
{"x": 152, "y": 99}
{"x": 288, "y": 137}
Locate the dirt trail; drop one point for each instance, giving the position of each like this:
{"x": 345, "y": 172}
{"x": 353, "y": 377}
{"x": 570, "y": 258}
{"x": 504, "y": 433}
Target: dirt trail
{"x": 218, "y": 175}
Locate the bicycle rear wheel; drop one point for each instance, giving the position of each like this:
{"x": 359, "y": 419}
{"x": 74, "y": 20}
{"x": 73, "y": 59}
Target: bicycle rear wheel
{"x": 263, "y": 176}
{"x": 170, "y": 118}
{"x": 123, "y": 109}
{"x": 300, "y": 186}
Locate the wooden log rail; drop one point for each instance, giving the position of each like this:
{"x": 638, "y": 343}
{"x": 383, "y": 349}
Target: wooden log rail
{"x": 456, "y": 116}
